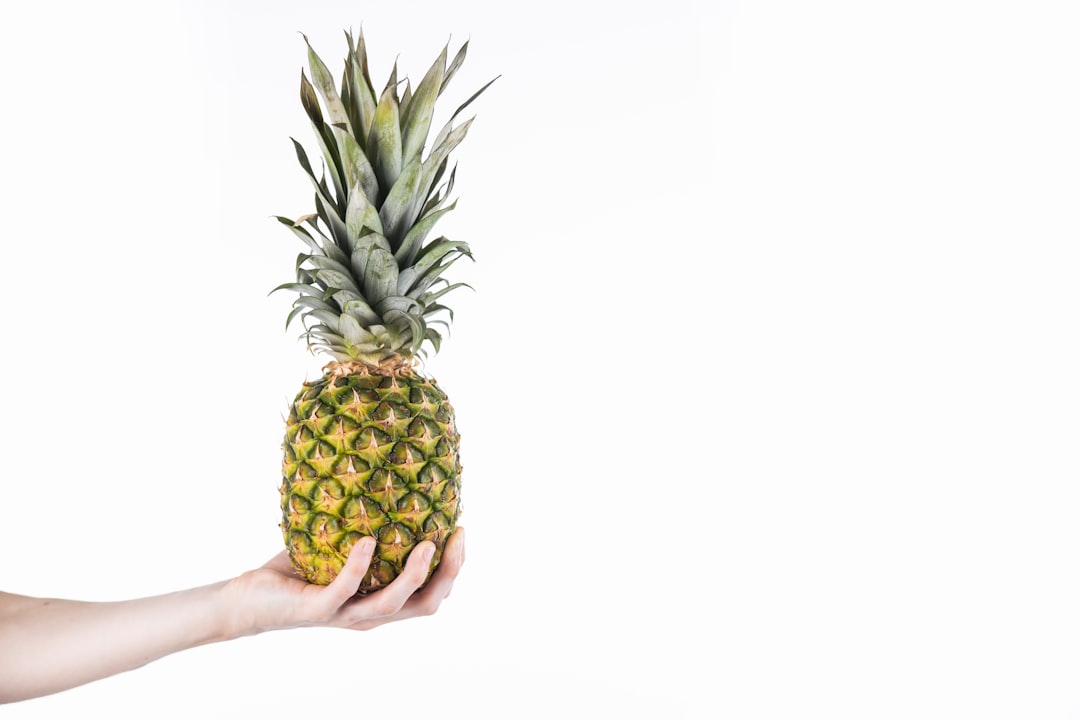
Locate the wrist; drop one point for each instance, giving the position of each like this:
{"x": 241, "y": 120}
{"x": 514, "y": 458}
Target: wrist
{"x": 237, "y": 618}
{"x": 253, "y": 603}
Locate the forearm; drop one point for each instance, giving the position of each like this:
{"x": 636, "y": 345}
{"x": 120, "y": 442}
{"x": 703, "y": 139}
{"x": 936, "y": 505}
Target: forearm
{"x": 51, "y": 645}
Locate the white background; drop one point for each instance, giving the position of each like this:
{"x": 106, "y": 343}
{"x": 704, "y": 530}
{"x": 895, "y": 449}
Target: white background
{"x": 768, "y": 389}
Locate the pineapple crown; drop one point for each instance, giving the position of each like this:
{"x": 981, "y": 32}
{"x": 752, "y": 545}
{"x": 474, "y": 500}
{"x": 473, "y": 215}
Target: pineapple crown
{"x": 370, "y": 282}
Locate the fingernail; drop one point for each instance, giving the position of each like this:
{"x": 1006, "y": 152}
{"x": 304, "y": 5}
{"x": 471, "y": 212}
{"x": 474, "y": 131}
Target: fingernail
{"x": 366, "y": 544}
{"x": 426, "y": 552}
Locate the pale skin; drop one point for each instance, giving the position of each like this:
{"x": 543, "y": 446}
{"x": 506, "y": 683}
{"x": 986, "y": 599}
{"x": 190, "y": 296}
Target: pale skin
{"x": 48, "y": 645}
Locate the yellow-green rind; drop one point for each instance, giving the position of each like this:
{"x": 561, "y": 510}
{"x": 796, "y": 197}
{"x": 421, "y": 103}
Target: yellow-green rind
{"x": 368, "y": 454}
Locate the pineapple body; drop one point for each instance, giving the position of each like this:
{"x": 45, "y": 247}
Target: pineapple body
{"x": 368, "y": 454}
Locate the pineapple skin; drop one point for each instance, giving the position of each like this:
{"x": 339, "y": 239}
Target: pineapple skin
{"x": 368, "y": 454}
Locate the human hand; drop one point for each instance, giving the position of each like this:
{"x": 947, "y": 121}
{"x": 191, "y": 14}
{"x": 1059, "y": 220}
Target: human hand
{"x": 274, "y": 597}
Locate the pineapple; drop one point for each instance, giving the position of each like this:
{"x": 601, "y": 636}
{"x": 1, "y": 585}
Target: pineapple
{"x": 371, "y": 447}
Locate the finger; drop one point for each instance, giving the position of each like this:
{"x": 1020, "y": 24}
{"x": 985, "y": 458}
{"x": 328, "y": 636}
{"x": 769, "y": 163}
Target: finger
{"x": 391, "y": 598}
{"x": 460, "y": 550}
{"x": 454, "y": 557}
{"x": 427, "y": 601}
{"x": 345, "y": 585}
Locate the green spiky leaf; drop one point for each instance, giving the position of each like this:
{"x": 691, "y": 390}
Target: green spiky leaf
{"x": 324, "y": 81}
{"x": 397, "y": 210}
{"x": 384, "y": 141}
{"x": 361, "y": 217}
{"x": 380, "y": 274}
{"x": 416, "y": 118}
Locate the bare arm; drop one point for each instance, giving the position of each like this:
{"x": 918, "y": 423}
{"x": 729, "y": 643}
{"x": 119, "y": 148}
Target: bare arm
{"x": 48, "y": 645}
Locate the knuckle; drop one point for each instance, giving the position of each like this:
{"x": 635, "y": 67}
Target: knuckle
{"x": 385, "y": 607}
